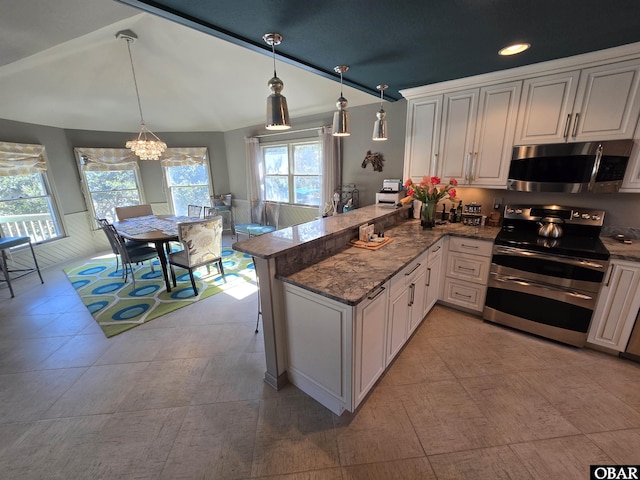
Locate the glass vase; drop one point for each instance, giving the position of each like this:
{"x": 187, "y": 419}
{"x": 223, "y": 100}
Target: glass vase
{"x": 428, "y": 214}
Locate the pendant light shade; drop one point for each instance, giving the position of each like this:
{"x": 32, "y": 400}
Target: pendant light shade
{"x": 341, "y": 117}
{"x": 147, "y": 146}
{"x": 380, "y": 125}
{"x": 277, "y": 111}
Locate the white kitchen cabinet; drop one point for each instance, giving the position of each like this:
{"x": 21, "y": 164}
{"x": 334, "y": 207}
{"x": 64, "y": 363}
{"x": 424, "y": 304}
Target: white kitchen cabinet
{"x": 467, "y": 270}
{"x": 424, "y": 117}
{"x": 631, "y": 181}
{"x": 433, "y": 283}
{"x": 370, "y": 342}
{"x": 477, "y": 134}
{"x": 406, "y": 304}
{"x": 597, "y": 103}
{"x": 617, "y": 306}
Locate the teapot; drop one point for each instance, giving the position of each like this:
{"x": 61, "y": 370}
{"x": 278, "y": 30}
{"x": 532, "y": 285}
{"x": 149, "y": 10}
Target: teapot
{"x": 549, "y": 227}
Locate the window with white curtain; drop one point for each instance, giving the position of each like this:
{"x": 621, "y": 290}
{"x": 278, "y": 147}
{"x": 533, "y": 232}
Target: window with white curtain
{"x": 186, "y": 172}
{"x": 27, "y": 205}
{"x": 293, "y": 172}
{"x": 110, "y": 179}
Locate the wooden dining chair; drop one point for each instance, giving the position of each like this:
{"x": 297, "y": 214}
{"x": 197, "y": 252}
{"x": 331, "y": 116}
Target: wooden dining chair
{"x": 202, "y": 242}
{"x": 194, "y": 211}
{"x": 132, "y": 211}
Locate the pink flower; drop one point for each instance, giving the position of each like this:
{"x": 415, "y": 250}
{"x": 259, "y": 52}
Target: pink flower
{"x": 408, "y": 182}
{"x": 431, "y": 189}
{"x": 435, "y": 180}
{"x": 452, "y": 193}
{"x": 410, "y": 192}
{"x": 453, "y": 182}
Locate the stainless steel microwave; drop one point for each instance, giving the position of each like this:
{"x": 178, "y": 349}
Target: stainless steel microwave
{"x": 595, "y": 167}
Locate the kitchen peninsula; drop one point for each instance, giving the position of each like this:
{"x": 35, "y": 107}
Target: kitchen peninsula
{"x": 314, "y": 287}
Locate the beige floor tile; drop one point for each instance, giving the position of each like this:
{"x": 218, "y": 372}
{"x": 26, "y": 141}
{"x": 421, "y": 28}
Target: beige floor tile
{"x": 163, "y": 384}
{"x": 482, "y": 464}
{"x": 417, "y": 363}
{"x": 294, "y": 434}
{"x": 567, "y": 458}
{"x": 324, "y": 474}
{"x": 79, "y": 351}
{"x": 582, "y": 401}
{"x": 26, "y": 354}
{"x": 378, "y": 431}
{"x": 618, "y": 376}
{"x": 441, "y": 322}
{"x": 446, "y": 419}
{"x": 622, "y": 446}
{"x": 518, "y": 411}
{"x": 484, "y": 354}
{"x": 100, "y": 389}
{"x": 215, "y": 442}
{"x": 408, "y": 469}
{"x": 136, "y": 346}
{"x": 26, "y": 396}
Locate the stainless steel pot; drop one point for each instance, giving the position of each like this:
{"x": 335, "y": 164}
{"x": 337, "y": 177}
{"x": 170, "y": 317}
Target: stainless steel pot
{"x": 550, "y": 227}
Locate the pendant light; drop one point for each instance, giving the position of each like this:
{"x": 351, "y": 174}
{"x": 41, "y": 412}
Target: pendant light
{"x": 341, "y": 117}
{"x": 277, "y": 112}
{"x": 147, "y": 146}
{"x": 380, "y": 125}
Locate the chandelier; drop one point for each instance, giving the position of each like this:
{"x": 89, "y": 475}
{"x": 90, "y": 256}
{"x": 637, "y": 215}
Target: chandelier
{"x": 147, "y": 146}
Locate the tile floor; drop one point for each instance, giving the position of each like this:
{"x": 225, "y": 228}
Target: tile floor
{"x": 183, "y": 397}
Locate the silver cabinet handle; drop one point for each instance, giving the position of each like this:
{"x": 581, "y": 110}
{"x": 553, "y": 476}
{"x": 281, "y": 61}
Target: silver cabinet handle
{"x": 412, "y": 270}
{"x": 412, "y": 289}
{"x": 434, "y": 168}
{"x": 566, "y": 126}
{"x": 436, "y": 249}
{"x": 575, "y": 126}
{"x": 374, "y": 295}
{"x": 429, "y": 277}
{"x": 475, "y": 247}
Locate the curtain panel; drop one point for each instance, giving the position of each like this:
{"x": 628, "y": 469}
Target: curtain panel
{"x": 182, "y": 156}
{"x": 331, "y": 166}
{"x": 21, "y": 159}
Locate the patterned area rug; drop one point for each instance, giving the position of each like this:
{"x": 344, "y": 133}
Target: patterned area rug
{"x": 118, "y": 307}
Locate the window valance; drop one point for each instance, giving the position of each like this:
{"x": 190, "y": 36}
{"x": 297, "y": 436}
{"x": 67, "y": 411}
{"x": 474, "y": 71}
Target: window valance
{"x": 21, "y": 159}
{"x": 182, "y": 156}
{"x": 106, "y": 159}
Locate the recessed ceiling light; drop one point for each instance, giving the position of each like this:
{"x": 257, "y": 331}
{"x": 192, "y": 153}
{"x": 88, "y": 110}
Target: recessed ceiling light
{"x": 514, "y": 49}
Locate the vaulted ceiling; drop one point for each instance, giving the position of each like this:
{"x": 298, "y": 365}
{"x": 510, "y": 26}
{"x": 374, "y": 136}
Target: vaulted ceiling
{"x": 202, "y": 65}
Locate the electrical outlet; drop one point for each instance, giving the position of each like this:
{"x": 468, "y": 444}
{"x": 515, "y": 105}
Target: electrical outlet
{"x": 497, "y": 203}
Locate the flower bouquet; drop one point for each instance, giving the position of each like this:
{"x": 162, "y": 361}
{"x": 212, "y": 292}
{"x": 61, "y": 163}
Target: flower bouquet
{"x": 429, "y": 192}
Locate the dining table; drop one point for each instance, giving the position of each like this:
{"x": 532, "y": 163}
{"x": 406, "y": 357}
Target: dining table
{"x": 156, "y": 229}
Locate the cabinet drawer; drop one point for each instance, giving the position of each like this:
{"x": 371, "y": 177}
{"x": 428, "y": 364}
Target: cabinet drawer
{"x": 468, "y": 267}
{"x": 465, "y": 294}
{"x": 404, "y": 278}
{"x": 470, "y": 245}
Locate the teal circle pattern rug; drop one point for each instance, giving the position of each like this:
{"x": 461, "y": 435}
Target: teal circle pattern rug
{"x": 118, "y": 307}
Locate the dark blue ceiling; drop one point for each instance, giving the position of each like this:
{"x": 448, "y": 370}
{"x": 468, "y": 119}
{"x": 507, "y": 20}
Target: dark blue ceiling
{"x": 408, "y": 43}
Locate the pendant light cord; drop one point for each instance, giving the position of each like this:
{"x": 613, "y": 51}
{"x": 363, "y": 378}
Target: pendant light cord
{"x": 135, "y": 82}
{"x": 273, "y": 49}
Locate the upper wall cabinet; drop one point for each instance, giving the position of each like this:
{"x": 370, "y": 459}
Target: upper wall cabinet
{"x": 423, "y": 134}
{"x": 631, "y": 182}
{"x": 477, "y": 134}
{"x": 598, "y": 103}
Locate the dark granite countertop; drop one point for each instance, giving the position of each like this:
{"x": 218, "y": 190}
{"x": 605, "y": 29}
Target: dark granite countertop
{"x": 353, "y": 273}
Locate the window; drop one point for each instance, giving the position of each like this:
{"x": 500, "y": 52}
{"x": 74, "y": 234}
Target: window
{"x": 111, "y": 178}
{"x": 187, "y": 176}
{"x": 27, "y": 207}
{"x": 293, "y": 172}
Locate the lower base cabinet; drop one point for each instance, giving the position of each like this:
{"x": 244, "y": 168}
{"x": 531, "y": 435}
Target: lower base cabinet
{"x": 617, "y": 307}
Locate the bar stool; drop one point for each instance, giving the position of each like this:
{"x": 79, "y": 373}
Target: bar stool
{"x": 7, "y": 243}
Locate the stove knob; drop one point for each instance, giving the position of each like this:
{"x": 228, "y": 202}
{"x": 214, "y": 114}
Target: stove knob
{"x": 576, "y": 214}
{"x": 586, "y": 216}
{"x": 595, "y": 217}
{"x": 509, "y": 210}
{"x": 519, "y": 211}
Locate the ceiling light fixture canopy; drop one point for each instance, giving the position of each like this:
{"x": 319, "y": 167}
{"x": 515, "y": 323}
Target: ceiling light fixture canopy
{"x": 514, "y": 49}
{"x": 277, "y": 111}
{"x": 147, "y": 146}
{"x": 341, "y": 117}
{"x": 380, "y": 125}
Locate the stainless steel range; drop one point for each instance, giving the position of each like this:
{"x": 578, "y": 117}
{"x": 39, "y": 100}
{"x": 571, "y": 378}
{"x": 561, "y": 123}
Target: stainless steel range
{"x": 547, "y": 267}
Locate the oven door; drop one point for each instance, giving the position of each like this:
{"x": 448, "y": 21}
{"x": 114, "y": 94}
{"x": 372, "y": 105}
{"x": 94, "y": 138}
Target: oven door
{"x": 548, "y": 295}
